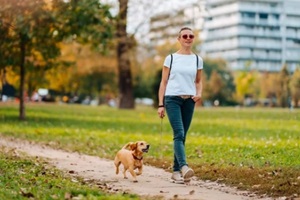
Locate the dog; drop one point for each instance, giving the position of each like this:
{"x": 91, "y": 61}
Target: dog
{"x": 131, "y": 157}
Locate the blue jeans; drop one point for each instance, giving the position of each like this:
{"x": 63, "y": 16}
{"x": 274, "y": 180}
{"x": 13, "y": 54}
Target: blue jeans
{"x": 180, "y": 112}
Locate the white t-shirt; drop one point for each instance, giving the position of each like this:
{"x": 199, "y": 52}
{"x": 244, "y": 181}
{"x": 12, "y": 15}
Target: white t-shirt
{"x": 183, "y": 74}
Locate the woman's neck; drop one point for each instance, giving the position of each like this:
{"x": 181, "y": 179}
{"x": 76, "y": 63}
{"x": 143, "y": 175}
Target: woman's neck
{"x": 185, "y": 51}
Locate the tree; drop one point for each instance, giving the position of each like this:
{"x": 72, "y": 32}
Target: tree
{"x": 87, "y": 74}
{"x": 220, "y": 83}
{"x": 28, "y": 29}
{"x": 123, "y": 49}
{"x": 244, "y": 84}
{"x": 216, "y": 85}
{"x": 267, "y": 87}
{"x": 295, "y": 87}
{"x": 84, "y": 21}
{"x": 282, "y": 89}
{"x": 32, "y": 31}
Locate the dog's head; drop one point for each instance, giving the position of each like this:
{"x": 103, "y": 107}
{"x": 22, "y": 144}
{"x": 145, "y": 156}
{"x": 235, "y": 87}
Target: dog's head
{"x": 140, "y": 146}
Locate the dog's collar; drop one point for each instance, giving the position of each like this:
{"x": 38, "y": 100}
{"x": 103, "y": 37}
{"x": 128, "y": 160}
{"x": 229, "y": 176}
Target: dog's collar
{"x": 136, "y": 158}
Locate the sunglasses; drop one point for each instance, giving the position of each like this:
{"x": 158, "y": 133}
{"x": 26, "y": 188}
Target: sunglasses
{"x": 185, "y": 36}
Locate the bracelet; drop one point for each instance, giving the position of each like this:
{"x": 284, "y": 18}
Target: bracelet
{"x": 161, "y": 106}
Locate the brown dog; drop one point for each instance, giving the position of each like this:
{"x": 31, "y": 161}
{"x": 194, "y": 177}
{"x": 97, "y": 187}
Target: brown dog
{"x": 131, "y": 156}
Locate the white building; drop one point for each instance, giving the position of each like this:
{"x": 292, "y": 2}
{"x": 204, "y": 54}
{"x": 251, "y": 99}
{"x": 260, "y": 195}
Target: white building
{"x": 259, "y": 34}
{"x": 166, "y": 25}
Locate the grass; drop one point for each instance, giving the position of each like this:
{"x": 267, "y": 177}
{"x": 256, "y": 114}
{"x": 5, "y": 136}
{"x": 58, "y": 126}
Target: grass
{"x": 250, "y": 148}
{"x": 23, "y": 177}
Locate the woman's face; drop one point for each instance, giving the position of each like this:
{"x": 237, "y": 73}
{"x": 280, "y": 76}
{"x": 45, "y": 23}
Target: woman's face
{"x": 186, "y": 38}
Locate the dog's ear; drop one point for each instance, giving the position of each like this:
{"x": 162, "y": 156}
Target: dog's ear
{"x": 128, "y": 146}
{"x": 133, "y": 146}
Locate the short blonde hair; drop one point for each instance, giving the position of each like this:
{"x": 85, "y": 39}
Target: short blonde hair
{"x": 182, "y": 29}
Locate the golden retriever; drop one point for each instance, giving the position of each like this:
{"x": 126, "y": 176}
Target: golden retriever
{"x": 131, "y": 156}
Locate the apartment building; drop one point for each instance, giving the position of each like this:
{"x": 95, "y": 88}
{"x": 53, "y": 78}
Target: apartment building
{"x": 253, "y": 34}
{"x": 165, "y": 25}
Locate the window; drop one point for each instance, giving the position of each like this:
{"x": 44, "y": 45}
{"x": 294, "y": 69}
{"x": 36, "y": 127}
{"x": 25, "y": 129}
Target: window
{"x": 275, "y": 16}
{"x": 248, "y": 14}
{"x": 273, "y": 5}
{"x": 263, "y": 16}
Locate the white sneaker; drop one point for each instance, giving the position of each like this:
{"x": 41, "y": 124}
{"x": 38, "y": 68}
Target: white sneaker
{"x": 187, "y": 173}
{"x": 177, "y": 178}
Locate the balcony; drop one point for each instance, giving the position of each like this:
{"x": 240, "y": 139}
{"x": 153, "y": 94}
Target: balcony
{"x": 223, "y": 21}
{"x": 260, "y": 7}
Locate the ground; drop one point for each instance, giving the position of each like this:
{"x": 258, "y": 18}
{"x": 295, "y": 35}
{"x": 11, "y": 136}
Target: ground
{"x": 153, "y": 182}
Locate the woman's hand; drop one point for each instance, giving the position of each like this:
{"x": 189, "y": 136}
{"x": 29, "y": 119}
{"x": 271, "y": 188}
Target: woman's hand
{"x": 161, "y": 112}
{"x": 197, "y": 97}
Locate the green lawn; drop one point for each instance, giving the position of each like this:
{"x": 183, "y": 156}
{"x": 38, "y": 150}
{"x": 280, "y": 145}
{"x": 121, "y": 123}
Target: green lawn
{"x": 252, "y": 148}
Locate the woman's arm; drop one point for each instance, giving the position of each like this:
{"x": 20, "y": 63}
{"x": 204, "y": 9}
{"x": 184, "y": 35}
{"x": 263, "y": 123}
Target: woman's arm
{"x": 198, "y": 83}
{"x": 162, "y": 90}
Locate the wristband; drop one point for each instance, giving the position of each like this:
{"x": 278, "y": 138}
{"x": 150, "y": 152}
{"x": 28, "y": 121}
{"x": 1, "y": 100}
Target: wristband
{"x": 161, "y": 106}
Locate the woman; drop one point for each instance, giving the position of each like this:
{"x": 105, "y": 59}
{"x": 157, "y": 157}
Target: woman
{"x": 180, "y": 88}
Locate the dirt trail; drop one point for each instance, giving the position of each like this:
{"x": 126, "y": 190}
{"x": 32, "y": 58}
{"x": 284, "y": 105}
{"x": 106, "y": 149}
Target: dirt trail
{"x": 153, "y": 181}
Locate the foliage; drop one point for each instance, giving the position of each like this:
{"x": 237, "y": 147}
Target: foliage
{"x": 142, "y": 72}
{"x": 28, "y": 28}
{"x": 239, "y": 146}
{"x": 216, "y": 86}
{"x": 33, "y": 29}
{"x": 155, "y": 87}
{"x": 142, "y": 87}
{"x": 85, "y": 21}
{"x": 88, "y": 74}
{"x": 282, "y": 89}
{"x": 219, "y": 81}
{"x": 244, "y": 84}
{"x": 31, "y": 21}
{"x": 23, "y": 177}
{"x": 267, "y": 83}
{"x": 295, "y": 87}
{"x": 94, "y": 82}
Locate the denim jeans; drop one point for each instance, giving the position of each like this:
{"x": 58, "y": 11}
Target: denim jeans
{"x": 180, "y": 112}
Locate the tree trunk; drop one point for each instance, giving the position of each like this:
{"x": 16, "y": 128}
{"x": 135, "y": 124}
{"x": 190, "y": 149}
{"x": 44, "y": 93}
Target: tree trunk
{"x": 22, "y": 78}
{"x": 125, "y": 76}
{"x": 3, "y": 76}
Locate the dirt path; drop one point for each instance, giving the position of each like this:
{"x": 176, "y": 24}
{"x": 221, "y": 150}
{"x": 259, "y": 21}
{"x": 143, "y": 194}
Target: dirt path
{"x": 153, "y": 181}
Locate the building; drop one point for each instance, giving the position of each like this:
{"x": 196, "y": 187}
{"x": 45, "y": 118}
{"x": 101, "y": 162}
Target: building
{"x": 253, "y": 34}
{"x": 165, "y": 26}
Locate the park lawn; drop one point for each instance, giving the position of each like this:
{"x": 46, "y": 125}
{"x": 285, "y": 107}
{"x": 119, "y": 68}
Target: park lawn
{"x": 23, "y": 177}
{"x": 250, "y": 148}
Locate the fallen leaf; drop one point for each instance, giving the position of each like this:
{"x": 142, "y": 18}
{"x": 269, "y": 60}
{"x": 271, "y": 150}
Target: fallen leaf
{"x": 192, "y": 192}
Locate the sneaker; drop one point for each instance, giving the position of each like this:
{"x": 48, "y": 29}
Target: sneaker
{"x": 177, "y": 178}
{"x": 187, "y": 173}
